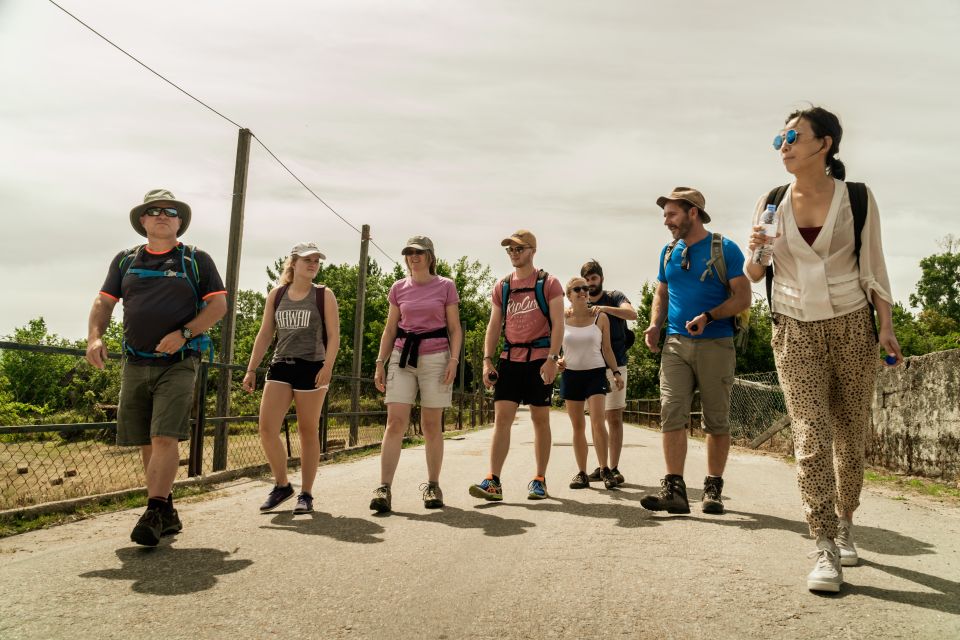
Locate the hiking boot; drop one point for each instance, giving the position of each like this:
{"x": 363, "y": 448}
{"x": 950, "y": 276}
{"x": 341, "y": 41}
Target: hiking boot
{"x": 848, "y": 552}
{"x": 277, "y": 496}
{"x": 432, "y": 495}
{"x": 304, "y": 503}
{"x": 537, "y": 489}
{"x": 827, "y": 575}
{"x": 489, "y": 489}
{"x": 381, "y": 499}
{"x": 594, "y": 475}
{"x": 580, "y": 481}
{"x": 609, "y": 482}
{"x": 712, "y": 501}
{"x": 170, "y": 523}
{"x": 617, "y": 476}
{"x": 149, "y": 528}
{"x": 672, "y": 497}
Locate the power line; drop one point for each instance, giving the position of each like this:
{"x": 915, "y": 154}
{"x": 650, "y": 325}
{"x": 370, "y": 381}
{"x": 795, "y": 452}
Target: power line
{"x": 208, "y": 107}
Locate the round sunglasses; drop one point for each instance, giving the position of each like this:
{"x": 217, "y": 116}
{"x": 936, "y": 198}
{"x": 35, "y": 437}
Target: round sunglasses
{"x": 789, "y": 136}
{"x": 170, "y": 212}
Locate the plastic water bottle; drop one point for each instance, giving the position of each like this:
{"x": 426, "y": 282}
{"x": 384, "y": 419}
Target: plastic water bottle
{"x": 770, "y": 220}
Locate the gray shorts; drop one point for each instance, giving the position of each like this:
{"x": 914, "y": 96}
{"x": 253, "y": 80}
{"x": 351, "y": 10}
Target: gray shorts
{"x": 156, "y": 401}
{"x": 691, "y": 363}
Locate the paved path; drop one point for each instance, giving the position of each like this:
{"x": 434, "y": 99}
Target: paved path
{"x": 584, "y": 564}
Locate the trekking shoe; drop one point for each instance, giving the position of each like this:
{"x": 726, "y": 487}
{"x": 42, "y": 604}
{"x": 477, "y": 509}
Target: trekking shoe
{"x": 170, "y": 523}
{"x": 848, "y": 552}
{"x": 712, "y": 501}
{"x": 304, "y": 503}
{"x": 381, "y": 499}
{"x": 278, "y": 495}
{"x": 489, "y": 489}
{"x": 537, "y": 489}
{"x": 617, "y": 476}
{"x": 827, "y": 575}
{"x": 149, "y": 528}
{"x": 672, "y": 497}
{"x": 594, "y": 475}
{"x": 432, "y": 495}
{"x": 609, "y": 482}
{"x": 580, "y": 481}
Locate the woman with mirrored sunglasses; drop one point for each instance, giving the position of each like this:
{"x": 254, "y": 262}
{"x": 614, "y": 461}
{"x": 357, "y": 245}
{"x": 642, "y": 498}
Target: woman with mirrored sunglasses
{"x": 587, "y": 355}
{"x": 824, "y": 285}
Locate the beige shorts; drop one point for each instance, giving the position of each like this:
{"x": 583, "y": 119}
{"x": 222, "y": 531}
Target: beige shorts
{"x": 687, "y": 364}
{"x": 617, "y": 399}
{"x": 402, "y": 384}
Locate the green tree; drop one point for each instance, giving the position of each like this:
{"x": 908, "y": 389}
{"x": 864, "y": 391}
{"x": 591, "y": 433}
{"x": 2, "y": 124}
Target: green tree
{"x": 939, "y": 287}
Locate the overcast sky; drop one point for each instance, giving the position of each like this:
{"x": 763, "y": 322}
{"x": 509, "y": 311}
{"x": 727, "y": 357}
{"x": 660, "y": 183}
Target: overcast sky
{"x": 459, "y": 120}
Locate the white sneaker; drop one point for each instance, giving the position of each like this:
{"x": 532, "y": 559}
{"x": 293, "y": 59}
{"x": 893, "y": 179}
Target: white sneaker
{"x": 827, "y": 575}
{"x": 848, "y": 552}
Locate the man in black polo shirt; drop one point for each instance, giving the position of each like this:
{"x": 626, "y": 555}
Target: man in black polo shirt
{"x": 620, "y": 311}
{"x": 171, "y": 294}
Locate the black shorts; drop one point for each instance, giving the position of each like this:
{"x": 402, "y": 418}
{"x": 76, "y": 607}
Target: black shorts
{"x": 300, "y": 374}
{"x": 520, "y": 382}
{"x": 580, "y": 385}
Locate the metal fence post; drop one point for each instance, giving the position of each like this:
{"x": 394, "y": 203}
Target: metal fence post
{"x": 195, "y": 459}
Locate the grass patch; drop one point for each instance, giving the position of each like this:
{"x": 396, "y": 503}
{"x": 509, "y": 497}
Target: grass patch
{"x": 912, "y": 486}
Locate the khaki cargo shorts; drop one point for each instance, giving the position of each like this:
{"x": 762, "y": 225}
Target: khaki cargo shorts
{"x": 691, "y": 363}
{"x": 156, "y": 401}
{"x": 427, "y": 377}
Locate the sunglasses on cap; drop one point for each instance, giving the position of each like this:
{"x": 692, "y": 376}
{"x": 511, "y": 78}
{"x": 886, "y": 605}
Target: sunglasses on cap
{"x": 580, "y": 289}
{"x": 170, "y": 212}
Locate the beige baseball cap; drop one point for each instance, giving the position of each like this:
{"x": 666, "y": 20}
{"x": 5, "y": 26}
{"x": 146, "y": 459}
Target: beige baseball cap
{"x": 423, "y": 243}
{"x": 520, "y": 237}
{"x": 305, "y": 249}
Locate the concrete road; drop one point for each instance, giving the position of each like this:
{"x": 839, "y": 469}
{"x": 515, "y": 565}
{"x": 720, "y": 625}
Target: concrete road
{"x": 583, "y": 564}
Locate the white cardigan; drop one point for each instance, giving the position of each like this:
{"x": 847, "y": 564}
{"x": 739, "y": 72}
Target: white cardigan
{"x": 822, "y": 281}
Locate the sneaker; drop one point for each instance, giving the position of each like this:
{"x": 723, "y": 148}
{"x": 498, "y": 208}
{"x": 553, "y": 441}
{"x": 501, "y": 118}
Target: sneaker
{"x": 489, "y": 489}
{"x": 149, "y": 528}
{"x": 432, "y": 495}
{"x": 278, "y": 495}
{"x": 170, "y": 523}
{"x": 617, "y": 476}
{"x": 848, "y": 552}
{"x": 594, "y": 475}
{"x": 672, "y": 497}
{"x": 827, "y": 575}
{"x": 381, "y": 499}
{"x": 580, "y": 481}
{"x": 712, "y": 495}
{"x": 304, "y": 503}
{"x": 537, "y": 489}
{"x": 609, "y": 482}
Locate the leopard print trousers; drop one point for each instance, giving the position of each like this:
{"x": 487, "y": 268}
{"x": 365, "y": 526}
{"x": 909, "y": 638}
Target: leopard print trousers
{"x": 828, "y": 370}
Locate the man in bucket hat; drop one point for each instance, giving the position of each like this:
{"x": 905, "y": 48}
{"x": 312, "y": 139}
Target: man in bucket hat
{"x": 172, "y": 294}
{"x": 698, "y": 351}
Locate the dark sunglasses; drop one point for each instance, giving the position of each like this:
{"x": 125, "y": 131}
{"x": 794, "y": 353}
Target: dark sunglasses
{"x": 516, "y": 250}
{"x": 685, "y": 259}
{"x": 413, "y": 252}
{"x": 790, "y": 136}
{"x": 170, "y": 212}
{"x": 580, "y": 289}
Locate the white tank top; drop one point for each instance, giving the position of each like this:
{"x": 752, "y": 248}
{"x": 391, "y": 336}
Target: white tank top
{"x": 581, "y": 347}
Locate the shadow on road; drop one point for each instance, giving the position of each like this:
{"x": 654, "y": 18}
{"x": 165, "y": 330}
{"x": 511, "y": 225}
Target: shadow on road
{"x": 170, "y": 571}
{"x": 626, "y": 516}
{"x": 317, "y": 523}
{"x": 492, "y": 525}
{"x": 947, "y": 598}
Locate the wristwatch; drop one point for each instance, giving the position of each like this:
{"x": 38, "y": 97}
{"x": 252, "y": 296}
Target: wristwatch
{"x": 186, "y": 332}
{"x": 554, "y": 357}
{"x": 709, "y": 315}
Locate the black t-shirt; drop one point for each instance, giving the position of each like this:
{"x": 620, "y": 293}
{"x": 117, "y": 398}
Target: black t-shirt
{"x": 618, "y": 326}
{"x": 153, "y": 307}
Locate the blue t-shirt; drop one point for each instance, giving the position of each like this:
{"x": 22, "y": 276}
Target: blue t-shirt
{"x": 688, "y": 296}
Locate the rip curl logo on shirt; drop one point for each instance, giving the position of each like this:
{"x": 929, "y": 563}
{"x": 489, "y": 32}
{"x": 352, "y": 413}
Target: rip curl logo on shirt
{"x": 293, "y": 319}
{"x": 519, "y": 308}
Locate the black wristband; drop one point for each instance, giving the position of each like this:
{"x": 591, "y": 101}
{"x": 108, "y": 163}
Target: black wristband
{"x": 710, "y": 317}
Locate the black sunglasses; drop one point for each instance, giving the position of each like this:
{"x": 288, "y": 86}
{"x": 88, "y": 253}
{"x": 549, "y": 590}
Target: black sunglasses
{"x": 685, "y": 259}
{"x": 170, "y": 212}
{"x": 413, "y": 252}
{"x": 579, "y": 289}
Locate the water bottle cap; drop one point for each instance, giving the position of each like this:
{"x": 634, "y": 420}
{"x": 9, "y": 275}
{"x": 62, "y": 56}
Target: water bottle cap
{"x": 771, "y": 207}
{"x": 891, "y": 359}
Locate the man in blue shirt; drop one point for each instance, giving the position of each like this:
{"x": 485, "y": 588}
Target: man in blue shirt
{"x": 698, "y": 352}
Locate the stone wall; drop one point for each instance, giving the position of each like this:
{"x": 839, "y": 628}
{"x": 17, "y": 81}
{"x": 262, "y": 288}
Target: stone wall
{"x": 916, "y": 417}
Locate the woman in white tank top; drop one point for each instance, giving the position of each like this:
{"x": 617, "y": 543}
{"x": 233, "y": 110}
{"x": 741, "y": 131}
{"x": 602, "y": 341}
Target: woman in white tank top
{"x": 586, "y": 356}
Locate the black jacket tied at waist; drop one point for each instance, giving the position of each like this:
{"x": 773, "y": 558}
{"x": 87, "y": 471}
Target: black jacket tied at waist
{"x": 411, "y": 344}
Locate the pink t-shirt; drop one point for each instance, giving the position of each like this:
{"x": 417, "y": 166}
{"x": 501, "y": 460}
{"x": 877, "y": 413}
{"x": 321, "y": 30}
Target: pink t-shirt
{"x": 525, "y": 321}
{"x": 423, "y": 308}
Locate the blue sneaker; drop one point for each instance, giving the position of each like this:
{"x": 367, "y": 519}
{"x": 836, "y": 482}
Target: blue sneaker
{"x": 537, "y": 489}
{"x": 489, "y": 489}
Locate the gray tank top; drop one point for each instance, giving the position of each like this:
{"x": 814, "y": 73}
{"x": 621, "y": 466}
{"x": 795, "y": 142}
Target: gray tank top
{"x": 299, "y": 333}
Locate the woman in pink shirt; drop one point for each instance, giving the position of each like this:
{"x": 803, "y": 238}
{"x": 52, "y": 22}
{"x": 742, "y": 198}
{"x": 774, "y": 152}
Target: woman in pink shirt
{"x": 418, "y": 352}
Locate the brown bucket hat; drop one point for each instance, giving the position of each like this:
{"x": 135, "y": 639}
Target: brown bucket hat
{"x": 687, "y": 194}
{"x": 151, "y": 200}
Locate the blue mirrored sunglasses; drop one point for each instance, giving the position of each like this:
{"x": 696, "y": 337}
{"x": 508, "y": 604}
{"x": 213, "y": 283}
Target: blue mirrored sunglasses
{"x": 170, "y": 212}
{"x": 789, "y": 136}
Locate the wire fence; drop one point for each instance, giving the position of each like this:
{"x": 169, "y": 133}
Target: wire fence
{"x": 62, "y": 460}
{"x": 756, "y": 403}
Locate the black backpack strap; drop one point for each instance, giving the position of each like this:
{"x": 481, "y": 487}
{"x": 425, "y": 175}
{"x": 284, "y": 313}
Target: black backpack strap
{"x": 128, "y": 258}
{"x": 320, "y": 293}
{"x": 857, "y": 192}
{"x": 282, "y": 289}
{"x": 775, "y": 197}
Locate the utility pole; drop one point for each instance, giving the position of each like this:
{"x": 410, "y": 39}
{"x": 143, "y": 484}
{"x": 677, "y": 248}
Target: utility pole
{"x": 358, "y": 336}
